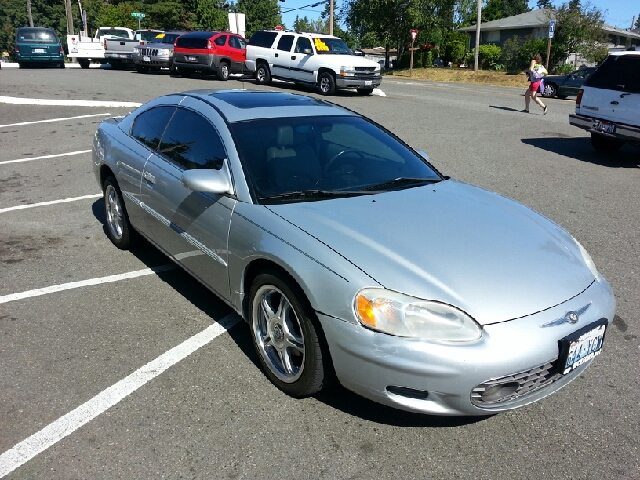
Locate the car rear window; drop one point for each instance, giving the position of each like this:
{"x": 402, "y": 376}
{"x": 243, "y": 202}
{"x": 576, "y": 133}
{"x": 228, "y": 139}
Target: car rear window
{"x": 191, "y": 42}
{"x": 36, "y": 35}
{"x": 114, "y": 32}
{"x": 618, "y": 72}
{"x": 263, "y": 39}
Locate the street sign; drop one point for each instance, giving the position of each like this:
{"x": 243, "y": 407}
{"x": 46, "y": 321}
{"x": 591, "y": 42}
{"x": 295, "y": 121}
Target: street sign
{"x": 552, "y": 28}
{"x": 138, "y": 15}
{"x": 414, "y": 34}
{"x": 278, "y": 27}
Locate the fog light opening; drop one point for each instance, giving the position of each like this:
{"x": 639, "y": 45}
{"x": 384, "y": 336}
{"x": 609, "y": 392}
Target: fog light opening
{"x": 497, "y": 392}
{"x": 408, "y": 392}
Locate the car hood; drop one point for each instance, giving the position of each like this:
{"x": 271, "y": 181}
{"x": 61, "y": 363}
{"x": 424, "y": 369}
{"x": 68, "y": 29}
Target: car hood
{"x": 349, "y": 60}
{"x": 491, "y": 257}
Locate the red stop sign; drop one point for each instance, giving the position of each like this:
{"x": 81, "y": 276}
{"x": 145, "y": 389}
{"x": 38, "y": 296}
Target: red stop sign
{"x": 278, "y": 27}
{"x": 414, "y": 34}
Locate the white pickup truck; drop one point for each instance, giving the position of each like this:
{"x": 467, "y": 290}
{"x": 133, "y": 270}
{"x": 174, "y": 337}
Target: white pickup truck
{"x": 118, "y": 51}
{"x": 608, "y": 104}
{"x": 88, "y": 49}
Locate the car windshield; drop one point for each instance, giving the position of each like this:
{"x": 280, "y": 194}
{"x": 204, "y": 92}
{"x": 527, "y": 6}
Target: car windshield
{"x": 37, "y": 35}
{"x": 317, "y": 158}
{"x": 148, "y": 36}
{"x": 331, "y": 46}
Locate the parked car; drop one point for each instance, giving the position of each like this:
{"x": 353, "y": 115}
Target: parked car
{"x": 562, "y": 86}
{"x": 91, "y": 49}
{"x": 320, "y": 61}
{"x": 118, "y": 51}
{"x": 38, "y": 46}
{"x": 608, "y": 103}
{"x": 348, "y": 253}
{"x": 221, "y": 53}
{"x": 156, "y": 54}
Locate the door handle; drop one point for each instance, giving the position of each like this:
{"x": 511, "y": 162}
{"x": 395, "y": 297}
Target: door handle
{"x": 293, "y": 58}
{"x": 148, "y": 177}
{"x": 276, "y": 55}
{"x": 615, "y": 102}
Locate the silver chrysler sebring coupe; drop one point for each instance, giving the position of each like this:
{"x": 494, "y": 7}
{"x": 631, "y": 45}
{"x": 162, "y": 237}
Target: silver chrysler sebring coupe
{"x": 350, "y": 256}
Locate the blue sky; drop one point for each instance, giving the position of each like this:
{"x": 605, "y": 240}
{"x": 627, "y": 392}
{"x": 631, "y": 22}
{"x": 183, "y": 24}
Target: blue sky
{"x": 618, "y": 13}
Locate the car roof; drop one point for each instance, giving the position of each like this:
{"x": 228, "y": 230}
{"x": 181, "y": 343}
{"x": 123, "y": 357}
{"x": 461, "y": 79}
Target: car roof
{"x": 242, "y": 105}
{"x": 206, "y": 34}
{"x": 306, "y": 34}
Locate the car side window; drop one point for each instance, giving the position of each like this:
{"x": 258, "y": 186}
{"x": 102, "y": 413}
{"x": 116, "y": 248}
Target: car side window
{"x": 263, "y": 39}
{"x": 221, "y": 40}
{"x": 236, "y": 42}
{"x": 150, "y": 125}
{"x": 303, "y": 44}
{"x": 191, "y": 142}
{"x": 285, "y": 43}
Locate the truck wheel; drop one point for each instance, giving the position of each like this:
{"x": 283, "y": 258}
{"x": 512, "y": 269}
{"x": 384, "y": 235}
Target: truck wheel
{"x": 223, "y": 71}
{"x": 605, "y": 144}
{"x": 326, "y": 84}
{"x": 62, "y": 65}
{"x": 142, "y": 69}
{"x": 365, "y": 91}
{"x": 263, "y": 75}
{"x": 84, "y": 63}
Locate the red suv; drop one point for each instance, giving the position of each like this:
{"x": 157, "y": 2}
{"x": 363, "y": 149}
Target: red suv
{"x": 221, "y": 53}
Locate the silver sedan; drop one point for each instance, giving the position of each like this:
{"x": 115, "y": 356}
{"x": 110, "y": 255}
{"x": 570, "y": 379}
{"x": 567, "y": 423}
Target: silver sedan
{"x": 350, "y": 256}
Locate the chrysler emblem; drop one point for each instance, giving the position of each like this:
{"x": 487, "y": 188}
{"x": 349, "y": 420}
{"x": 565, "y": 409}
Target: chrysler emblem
{"x": 570, "y": 317}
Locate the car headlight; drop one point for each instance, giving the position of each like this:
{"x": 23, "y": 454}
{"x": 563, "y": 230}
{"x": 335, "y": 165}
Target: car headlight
{"x": 404, "y": 316}
{"x": 163, "y": 51}
{"x": 588, "y": 260}
{"x": 347, "y": 71}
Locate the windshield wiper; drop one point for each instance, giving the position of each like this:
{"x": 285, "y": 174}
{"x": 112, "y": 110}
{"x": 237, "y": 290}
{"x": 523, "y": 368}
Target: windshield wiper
{"x": 402, "y": 182}
{"x": 315, "y": 194}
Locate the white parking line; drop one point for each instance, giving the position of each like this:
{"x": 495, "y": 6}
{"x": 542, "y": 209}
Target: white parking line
{"x": 69, "y": 423}
{"x": 77, "y": 152}
{"x": 55, "y": 120}
{"x": 84, "y": 283}
{"x": 67, "y": 103}
{"x": 51, "y": 202}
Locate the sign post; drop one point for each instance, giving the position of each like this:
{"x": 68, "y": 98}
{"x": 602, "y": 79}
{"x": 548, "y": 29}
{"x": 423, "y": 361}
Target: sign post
{"x": 414, "y": 34}
{"x": 552, "y": 29}
{"x": 139, "y": 16}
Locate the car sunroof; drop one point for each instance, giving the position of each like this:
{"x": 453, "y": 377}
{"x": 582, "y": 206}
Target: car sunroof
{"x": 243, "y": 99}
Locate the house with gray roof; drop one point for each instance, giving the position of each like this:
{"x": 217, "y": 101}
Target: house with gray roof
{"x": 536, "y": 24}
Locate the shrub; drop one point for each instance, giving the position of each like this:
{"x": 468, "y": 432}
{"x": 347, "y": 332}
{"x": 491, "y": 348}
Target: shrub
{"x": 427, "y": 59}
{"x": 564, "y": 68}
{"x": 517, "y": 52}
{"x": 417, "y": 59}
{"x": 405, "y": 58}
{"x": 454, "y": 47}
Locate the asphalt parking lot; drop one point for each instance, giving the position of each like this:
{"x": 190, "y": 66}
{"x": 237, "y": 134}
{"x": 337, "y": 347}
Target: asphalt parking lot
{"x": 115, "y": 364}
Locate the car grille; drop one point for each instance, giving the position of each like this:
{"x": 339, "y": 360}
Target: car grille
{"x": 514, "y": 386}
{"x": 365, "y": 71}
{"x": 150, "y": 52}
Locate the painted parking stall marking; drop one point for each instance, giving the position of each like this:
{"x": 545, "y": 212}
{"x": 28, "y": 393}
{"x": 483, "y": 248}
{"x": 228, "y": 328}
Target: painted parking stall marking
{"x": 50, "y": 120}
{"x": 50, "y": 202}
{"x": 43, "y": 157}
{"x": 69, "y": 423}
{"x": 67, "y": 103}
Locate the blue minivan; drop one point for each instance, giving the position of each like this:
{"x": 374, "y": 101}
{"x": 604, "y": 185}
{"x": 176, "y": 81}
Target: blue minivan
{"x": 38, "y": 45}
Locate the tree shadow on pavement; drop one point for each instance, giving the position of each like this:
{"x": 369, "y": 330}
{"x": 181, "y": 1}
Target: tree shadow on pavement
{"x": 580, "y": 148}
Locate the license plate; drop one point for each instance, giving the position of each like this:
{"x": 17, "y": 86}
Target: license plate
{"x": 367, "y": 83}
{"x": 604, "y": 127}
{"x": 39, "y": 50}
{"x": 146, "y": 59}
{"x": 192, "y": 59}
{"x": 581, "y": 346}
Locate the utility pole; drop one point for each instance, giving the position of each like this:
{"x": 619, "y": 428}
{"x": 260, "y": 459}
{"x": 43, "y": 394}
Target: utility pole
{"x": 67, "y": 9}
{"x": 29, "y": 13}
{"x": 330, "y": 17}
{"x": 475, "y": 54}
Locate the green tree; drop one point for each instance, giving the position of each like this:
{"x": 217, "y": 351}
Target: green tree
{"x": 260, "y": 14}
{"x": 544, "y": 4}
{"x": 637, "y": 25}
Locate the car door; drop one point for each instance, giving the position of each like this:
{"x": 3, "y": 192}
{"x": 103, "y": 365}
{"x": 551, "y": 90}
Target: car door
{"x": 280, "y": 66}
{"x": 573, "y": 83}
{"x": 191, "y": 227}
{"x": 238, "y": 51}
{"x": 146, "y": 130}
{"x": 301, "y": 61}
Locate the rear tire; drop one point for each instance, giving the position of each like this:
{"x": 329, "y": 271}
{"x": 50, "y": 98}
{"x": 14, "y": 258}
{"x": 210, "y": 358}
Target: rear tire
{"x": 223, "y": 71}
{"x": 119, "y": 229}
{"x": 62, "y": 64}
{"x": 605, "y": 144}
{"x": 263, "y": 75}
{"x": 326, "y": 84}
{"x": 84, "y": 63}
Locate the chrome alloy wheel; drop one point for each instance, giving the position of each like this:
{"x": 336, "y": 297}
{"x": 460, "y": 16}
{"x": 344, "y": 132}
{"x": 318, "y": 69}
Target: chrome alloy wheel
{"x": 325, "y": 84}
{"x": 278, "y": 333}
{"x": 115, "y": 220}
{"x": 261, "y": 75}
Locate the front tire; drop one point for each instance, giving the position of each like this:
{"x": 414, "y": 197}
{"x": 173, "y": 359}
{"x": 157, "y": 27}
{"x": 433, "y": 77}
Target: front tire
{"x": 326, "y": 84}
{"x": 550, "y": 90}
{"x": 223, "y": 71}
{"x": 364, "y": 91}
{"x": 605, "y": 144}
{"x": 142, "y": 69}
{"x": 119, "y": 229}
{"x": 263, "y": 75}
{"x": 285, "y": 335}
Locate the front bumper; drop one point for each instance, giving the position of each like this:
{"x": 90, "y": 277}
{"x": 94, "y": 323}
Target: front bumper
{"x": 627, "y": 133}
{"x": 152, "y": 60}
{"x": 435, "y": 378}
{"x": 362, "y": 81}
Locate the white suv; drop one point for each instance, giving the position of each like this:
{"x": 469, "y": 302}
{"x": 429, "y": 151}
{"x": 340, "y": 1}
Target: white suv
{"x": 313, "y": 59}
{"x": 608, "y": 104}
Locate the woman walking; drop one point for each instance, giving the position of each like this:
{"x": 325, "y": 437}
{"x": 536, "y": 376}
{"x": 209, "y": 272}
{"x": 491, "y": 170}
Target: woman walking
{"x": 536, "y": 73}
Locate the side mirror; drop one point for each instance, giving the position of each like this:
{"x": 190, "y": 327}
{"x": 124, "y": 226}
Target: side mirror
{"x": 307, "y": 51}
{"x": 208, "y": 181}
{"x": 359, "y": 53}
{"x": 423, "y": 155}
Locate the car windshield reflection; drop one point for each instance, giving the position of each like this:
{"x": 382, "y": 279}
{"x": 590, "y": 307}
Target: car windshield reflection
{"x": 318, "y": 158}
